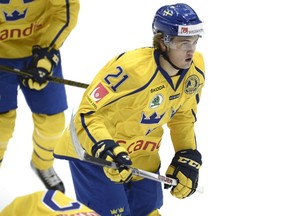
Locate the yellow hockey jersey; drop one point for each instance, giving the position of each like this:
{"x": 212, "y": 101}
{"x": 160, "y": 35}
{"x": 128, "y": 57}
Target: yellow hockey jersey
{"x": 46, "y": 203}
{"x": 130, "y": 100}
{"x": 25, "y": 23}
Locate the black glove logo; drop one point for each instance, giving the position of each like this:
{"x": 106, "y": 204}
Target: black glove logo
{"x": 126, "y": 157}
{"x": 41, "y": 74}
{"x": 188, "y": 161}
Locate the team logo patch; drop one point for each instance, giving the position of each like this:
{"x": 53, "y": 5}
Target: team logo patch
{"x": 99, "y": 92}
{"x": 156, "y": 101}
{"x": 192, "y": 85}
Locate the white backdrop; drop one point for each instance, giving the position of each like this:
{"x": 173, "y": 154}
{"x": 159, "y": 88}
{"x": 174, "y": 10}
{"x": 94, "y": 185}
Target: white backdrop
{"x": 242, "y": 116}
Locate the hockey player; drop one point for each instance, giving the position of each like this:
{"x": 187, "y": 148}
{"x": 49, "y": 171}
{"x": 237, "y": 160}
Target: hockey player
{"x": 46, "y": 203}
{"x": 31, "y": 33}
{"x": 122, "y": 112}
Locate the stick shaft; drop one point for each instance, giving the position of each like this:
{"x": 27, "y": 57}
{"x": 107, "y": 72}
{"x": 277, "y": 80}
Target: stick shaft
{"x": 49, "y": 78}
{"x": 82, "y": 155}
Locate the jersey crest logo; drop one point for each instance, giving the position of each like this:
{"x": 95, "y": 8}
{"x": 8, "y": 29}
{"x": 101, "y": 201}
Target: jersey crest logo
{"x": 192, "y": 85}
{"x": 156, "y": 101}
{"x": 14, "y": 15}
{"x": 153, "y": 119}
{"x": 99, "y": 92}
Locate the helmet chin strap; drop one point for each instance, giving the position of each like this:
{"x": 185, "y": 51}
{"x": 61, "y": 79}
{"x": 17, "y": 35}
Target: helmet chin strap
{"x": 165, "y": 56}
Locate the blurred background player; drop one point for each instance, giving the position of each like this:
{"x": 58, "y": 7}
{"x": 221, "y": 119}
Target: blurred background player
{"x": 46, "y": 203}
{"x": 122, "y": 112}
{"x": 31, "y": 33}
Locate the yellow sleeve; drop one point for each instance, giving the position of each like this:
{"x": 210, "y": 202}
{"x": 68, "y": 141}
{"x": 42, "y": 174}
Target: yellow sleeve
{"x": 182, "y": 124}
{"x": 182, "y": 128}
{"x": 64, "y": 15}
{"x": 89, "y": 120}
{"x": 117, "y": 79}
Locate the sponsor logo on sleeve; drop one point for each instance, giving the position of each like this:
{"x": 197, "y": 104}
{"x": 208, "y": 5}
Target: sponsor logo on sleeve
{"x": 99, "y": 93}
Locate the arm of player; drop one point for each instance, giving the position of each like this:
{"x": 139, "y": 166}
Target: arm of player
{"x": 64, "y": 17}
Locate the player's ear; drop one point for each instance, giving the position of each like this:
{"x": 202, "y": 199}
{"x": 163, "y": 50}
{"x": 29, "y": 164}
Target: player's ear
{"x": 163, "y": 47}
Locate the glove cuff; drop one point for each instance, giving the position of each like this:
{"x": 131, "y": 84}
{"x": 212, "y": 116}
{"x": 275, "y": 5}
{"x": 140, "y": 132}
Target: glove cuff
{"x": 100, "y": 148}
{"x": 43, "y": 53}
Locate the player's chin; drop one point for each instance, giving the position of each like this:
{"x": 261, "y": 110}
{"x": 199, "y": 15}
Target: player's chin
{"x": 187, "y": 63}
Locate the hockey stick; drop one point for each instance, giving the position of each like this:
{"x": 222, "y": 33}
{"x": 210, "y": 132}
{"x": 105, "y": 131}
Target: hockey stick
{"x": 83, "y": 156}
{"x": 25, "y": 73}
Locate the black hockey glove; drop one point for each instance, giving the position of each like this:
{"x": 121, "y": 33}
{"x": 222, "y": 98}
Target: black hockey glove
{"x": 42, "y": 66}
{"x": 185, "y": 168}
{"x": 111, "y": 151}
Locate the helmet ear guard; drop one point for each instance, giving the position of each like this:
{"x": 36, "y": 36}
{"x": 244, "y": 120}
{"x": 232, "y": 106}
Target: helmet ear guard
{"x": 177, "y": 20}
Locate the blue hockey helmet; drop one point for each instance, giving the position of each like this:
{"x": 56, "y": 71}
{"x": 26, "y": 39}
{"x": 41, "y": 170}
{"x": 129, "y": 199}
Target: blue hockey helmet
{"x": 177, "y": 20}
